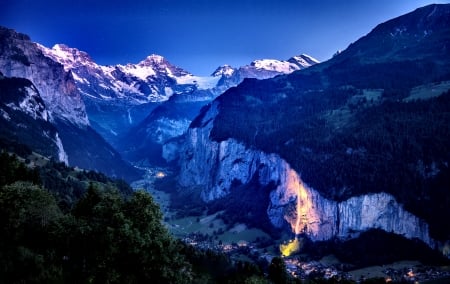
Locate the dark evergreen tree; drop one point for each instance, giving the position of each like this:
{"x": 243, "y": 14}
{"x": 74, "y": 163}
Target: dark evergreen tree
{"x": 277, "y": 271}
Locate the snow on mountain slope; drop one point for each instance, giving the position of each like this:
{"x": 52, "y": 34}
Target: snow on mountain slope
{"x": 181, "y": 109}
{"x": 275, "y": 65}
{"x": 153, "y": 79}
{"x": 25, "y": 120}
{"x": 263, "y": 69}
{"x": 31, "y": 104}
{"x": 126, "y": 101}
{"x": 49, "y": 104}
{"x": 224, "y": 70}
{"x": 304, "y": 60}
{"x": 202, "y": 83}
{"x": 293, "y": 64}
{"x": 69, "y": 57}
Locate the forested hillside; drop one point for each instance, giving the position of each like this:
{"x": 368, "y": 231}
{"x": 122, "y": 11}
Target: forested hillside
{"x": 62, "y": 225}
{"x": 375, "y": 118}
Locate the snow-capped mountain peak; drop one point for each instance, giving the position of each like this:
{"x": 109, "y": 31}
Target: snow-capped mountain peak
{"x": 152, "y": 60}
{"x": 141, "y": 70}
{"x": 69, "y": 57}
{"x": 303, "y": 60}
{"x": 162, "y": 65}
{"x": 147, "y": 81}
{"x": 281, "y": 66}
{"x": 274, "y": 65}
{"x": 224, "y": 70}
{"x": 156, "y": 65}
{"x": 154, "y": 79}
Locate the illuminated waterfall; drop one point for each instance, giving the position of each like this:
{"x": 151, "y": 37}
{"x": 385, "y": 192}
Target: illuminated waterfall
{"x": 304, "y": 208}
{"x": 299, "y": 212}
{"x": 304, "y": 219}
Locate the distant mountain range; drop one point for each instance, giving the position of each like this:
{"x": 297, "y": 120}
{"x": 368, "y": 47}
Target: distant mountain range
{"x": 138, "y": 107}
{"x": 80, "y": 99}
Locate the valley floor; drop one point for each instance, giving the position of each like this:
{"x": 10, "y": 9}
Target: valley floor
{"x": 241, "y": 243}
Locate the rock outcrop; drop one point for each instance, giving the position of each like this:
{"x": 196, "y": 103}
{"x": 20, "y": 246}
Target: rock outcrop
{"x": 215, "y": 166}
{"x": 62, "y": 108}
{"x": 20, "y": 57}
{"x": 24, "y": 119}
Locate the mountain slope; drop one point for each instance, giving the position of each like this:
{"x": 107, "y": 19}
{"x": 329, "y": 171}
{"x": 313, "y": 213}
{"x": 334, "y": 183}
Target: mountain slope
{"x": 339, "y": 133}
{"x": 21, "y": 58}
{"x": 146, "y": 81}
{"x": 24, "y": 119}
{"x": 119, "y": 97}
{"x": 268, "y": 68}
{"x": 138, "y": 107}
{"x": 171, "y": 119}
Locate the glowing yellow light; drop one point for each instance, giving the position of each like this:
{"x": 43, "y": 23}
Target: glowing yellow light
{"x": 306, "y": 218}
{"x": 291, "y": 247}
{"x": 160, "y": 174}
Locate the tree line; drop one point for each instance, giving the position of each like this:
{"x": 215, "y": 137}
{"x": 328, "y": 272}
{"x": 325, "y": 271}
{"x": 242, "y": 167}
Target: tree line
{"x": 106, "y": 234}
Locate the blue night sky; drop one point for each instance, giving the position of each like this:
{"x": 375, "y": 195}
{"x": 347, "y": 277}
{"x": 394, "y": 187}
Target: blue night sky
{"x": 200, "y": 35}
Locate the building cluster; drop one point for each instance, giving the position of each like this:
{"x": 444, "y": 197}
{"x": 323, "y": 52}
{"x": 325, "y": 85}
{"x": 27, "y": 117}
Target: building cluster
{"x": 199, "y": 241}
{"x": 417, "y": 274}
{"x": 315, "y": 269}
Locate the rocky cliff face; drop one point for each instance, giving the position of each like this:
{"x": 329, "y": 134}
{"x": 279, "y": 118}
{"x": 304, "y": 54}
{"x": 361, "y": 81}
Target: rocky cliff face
{"x": 119, "y": 97}
{"x": 215, "y": 166}
{"x": 62, "y": 108}
{"x": 24, "y": 119}
{"x": 153, "y": 79}
{"x": 21, "y": 95}
{"x": 19, "y": 57}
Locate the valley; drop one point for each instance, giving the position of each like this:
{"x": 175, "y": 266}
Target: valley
{"x": 210, "y": 232}
{"x": 297, "y": 169}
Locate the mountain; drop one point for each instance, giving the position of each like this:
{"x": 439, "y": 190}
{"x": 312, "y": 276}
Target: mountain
{"x": 145, "y": 142}
{"x": 62, "y": 101}
{"x": 138, "y": 107}
{"x": 25, "y": 120}
{"x": 404, "y": 38}
{"x": 224, "y": 70}
{"x": 119, "y": 97}
{"x": 21, "y": 58}
{"x": 268, "y": 68}
{"x": 154, "y": 79}
{"x": 355, "y": 143}
{"x": 151, "y": 102}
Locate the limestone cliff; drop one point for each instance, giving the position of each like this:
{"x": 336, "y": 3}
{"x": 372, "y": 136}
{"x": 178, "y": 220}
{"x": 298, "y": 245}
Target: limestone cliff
{"x": 215, "y": 166}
